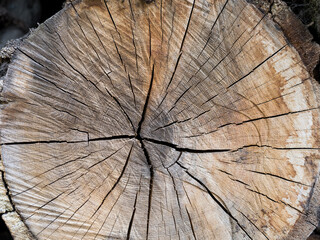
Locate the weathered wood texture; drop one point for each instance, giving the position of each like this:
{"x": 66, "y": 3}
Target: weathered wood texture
{"x": 172, "y": 120}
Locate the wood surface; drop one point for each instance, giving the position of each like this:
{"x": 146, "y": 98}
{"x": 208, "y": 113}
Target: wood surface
{"x": 177, "y": 119}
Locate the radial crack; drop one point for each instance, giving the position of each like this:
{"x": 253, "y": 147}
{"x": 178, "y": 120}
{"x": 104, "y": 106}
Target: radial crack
{"x": 256, "y": 67}
{"x": 66, "y": 141}
{"x": 276, "y": 176}
{"x": 215, "y": 199}
{"x": 116, "y": 183}
{"x": 180, "y": 149}
{"x": 145, "y": 105}
{"x": 133, "y": 213}
{"x": 150, "y": 183}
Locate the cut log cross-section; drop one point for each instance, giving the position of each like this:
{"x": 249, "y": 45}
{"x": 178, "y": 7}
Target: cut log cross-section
{"x": 180, "y": 119}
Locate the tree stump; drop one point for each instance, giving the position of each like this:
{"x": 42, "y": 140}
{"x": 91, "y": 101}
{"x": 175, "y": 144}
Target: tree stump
{"x": 180, "y": 119}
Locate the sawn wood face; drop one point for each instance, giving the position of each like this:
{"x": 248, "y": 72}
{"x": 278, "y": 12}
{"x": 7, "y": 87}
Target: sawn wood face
{"x": 176, "y": 119}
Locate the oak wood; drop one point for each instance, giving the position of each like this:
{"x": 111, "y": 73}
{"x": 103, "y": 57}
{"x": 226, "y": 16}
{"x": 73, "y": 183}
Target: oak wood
{"x": 169, "y": 120}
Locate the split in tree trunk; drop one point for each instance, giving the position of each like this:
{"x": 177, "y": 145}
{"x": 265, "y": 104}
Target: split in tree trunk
{"x": 169, "y": 120}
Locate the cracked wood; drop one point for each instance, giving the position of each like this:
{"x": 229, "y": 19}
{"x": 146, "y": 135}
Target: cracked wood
{"x": 166, "y": 119}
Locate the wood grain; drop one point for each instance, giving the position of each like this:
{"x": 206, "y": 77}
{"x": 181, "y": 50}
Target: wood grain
{"x": 166, "y": 120}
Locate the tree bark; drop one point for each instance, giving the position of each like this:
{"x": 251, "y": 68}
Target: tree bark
{"x": 165, "y": 120}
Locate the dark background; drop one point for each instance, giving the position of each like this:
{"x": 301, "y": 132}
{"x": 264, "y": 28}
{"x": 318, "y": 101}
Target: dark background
{"x": 18, "y": 16}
